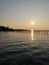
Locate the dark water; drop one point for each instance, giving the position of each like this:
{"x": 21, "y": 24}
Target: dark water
{"x": 24, "y": 48}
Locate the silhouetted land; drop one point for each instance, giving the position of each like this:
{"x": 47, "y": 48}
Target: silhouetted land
{"x": 3, "y": 28}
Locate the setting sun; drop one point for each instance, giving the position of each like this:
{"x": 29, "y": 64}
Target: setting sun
{"x": 32, "y": 23}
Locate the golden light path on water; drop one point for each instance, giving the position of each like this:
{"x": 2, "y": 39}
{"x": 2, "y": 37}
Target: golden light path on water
{"x": 32, "y": 31}
{"x": 32, "y": 34}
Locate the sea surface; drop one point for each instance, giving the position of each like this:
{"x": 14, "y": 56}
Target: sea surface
{"x": 24, "y": 48}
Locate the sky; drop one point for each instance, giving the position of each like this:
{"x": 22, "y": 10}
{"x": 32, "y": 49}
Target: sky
{"x": 20, "y": 14}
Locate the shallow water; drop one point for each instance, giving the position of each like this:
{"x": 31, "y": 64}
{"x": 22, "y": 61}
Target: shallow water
{"x": 24, "y": 48}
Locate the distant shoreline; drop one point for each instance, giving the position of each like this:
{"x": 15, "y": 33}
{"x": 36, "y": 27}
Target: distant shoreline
{"x": 7, "y": 29}
{"x": 3, "y": 28}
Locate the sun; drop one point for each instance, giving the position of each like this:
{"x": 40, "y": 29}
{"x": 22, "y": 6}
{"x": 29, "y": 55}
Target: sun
{"x": 32, "y": 23}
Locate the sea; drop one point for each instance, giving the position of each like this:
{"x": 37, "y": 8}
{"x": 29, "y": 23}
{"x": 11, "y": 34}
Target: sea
{"x": 24, "y": 48}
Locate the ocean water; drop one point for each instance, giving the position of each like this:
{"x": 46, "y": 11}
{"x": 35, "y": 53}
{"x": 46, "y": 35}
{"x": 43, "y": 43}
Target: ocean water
{"x": 24, "y": 48}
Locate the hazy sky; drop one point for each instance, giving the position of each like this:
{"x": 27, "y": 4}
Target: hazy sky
{"x": 20, "y": 13}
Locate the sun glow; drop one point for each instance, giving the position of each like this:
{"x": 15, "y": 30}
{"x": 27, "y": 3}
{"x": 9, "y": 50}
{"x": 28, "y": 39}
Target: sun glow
{"x": 32, "y": 23}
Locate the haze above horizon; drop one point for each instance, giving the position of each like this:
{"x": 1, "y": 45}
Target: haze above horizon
{"x": 25, "y": 14}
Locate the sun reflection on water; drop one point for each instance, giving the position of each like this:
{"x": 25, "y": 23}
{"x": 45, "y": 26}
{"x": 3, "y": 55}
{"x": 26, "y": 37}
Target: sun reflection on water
{"x": 32, "y": 34}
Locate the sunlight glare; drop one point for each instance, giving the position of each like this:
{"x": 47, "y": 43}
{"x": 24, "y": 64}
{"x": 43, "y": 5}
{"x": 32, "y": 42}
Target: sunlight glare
{"x": 32, "y": 23}
{"x": 32, "y": 35}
